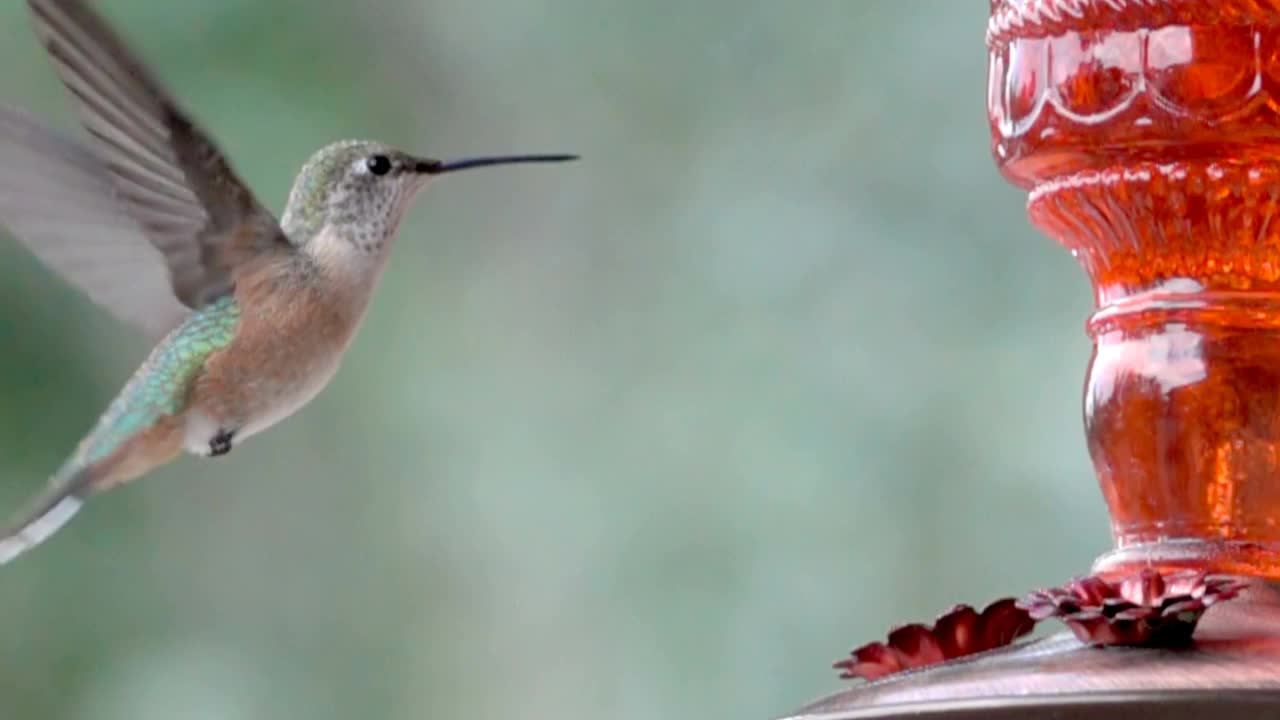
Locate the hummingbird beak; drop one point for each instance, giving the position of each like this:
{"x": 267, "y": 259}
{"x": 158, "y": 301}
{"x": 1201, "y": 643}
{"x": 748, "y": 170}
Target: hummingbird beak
{"x": 440, "y": 167}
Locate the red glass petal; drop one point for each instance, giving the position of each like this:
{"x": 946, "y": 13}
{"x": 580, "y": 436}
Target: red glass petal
{"x": 916, "y": 645}
{"x": 869, "y": 662}
{"x": 957, "y": 631}
{"x": 1219, "y": 588}
{"x": 1135, "y": 614}
{"x": 1039, "y": 609}
{"x": 1001, "y": 623}
{"x": 1091, "y": 590}
{"x": 1186, "y": 582}
{"x": 1090, "y": 628}
{"x": 1145, "y": 588}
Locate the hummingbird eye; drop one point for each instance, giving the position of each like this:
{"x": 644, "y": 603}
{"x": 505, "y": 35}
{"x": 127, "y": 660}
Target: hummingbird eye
{"x": 379, "y": 164}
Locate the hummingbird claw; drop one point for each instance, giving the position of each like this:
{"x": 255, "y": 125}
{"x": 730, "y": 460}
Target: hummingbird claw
{"x": 221, "y": 443}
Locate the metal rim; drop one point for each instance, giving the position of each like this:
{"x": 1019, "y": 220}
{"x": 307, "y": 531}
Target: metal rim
{"x": 1168, "y": 705}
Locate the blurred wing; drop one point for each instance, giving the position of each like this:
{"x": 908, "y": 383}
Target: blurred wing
{"x": 56, "y": 198}
{"x": 169, "y": 176}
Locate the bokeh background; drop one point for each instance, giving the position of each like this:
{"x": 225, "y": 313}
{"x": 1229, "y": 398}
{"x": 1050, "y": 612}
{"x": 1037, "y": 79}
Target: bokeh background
{"x": 779, "y": 364}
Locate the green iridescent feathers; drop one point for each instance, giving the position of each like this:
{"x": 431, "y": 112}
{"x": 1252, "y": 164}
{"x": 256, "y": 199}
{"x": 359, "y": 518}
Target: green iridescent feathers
{"x": 160, "y": 387}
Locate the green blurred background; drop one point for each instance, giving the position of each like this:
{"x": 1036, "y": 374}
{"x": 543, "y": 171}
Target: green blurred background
{"x": 657, "y": 435}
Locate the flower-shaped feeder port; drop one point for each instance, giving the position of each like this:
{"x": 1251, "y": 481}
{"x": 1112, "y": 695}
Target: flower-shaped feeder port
{"x": 1147, "y": 609}
{"x": 961, "y": 631}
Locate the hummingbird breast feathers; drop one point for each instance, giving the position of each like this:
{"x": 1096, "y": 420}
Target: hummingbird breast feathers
{"x": 297, "y": 320}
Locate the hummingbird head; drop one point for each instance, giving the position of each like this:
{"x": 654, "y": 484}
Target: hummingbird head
{"x": 360, "y": 190}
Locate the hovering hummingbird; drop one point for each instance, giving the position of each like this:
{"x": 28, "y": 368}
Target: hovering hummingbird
{"x": 252, "y": 315}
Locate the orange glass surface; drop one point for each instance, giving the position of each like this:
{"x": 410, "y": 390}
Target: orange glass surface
{"x": 1147, "y": 133}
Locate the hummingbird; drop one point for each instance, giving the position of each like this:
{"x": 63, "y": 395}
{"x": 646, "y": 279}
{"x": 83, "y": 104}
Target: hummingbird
{"x": 250, "y": 315}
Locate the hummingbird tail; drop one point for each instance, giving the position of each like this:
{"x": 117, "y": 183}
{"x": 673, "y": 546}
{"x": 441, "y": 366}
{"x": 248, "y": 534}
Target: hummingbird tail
{"x": 49, "y": 511}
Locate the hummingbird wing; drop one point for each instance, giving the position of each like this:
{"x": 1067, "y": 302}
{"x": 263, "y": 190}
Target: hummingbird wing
{"x": 57, "y": 199}
{"x": 171, "y": 178}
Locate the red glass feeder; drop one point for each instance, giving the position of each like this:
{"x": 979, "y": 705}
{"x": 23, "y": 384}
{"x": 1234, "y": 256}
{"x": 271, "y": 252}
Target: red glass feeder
{"x": 1147, "y": 136}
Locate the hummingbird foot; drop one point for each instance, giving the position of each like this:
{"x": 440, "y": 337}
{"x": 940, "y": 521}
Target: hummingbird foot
{"x": 221, "y": 443}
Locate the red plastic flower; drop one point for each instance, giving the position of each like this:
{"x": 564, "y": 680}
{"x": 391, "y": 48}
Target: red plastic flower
{"x": 1148, "y": 609}
{"x": 961, "y": 631}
